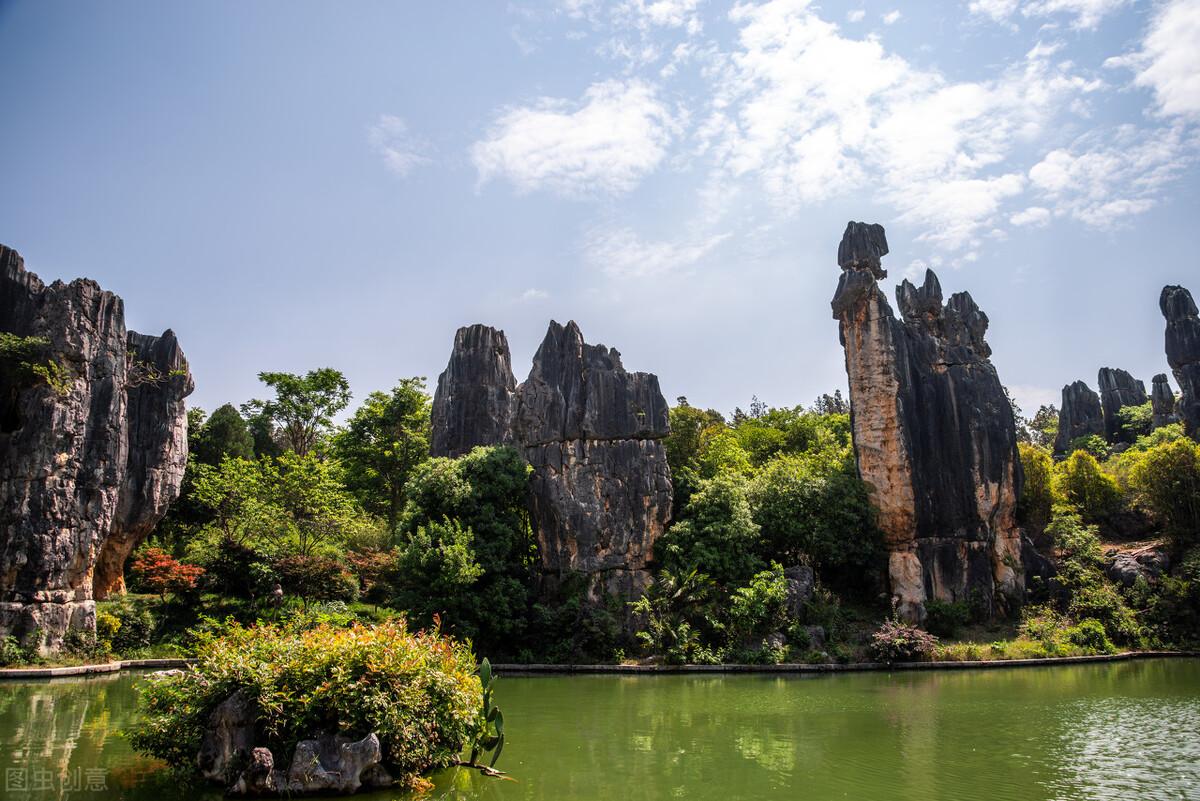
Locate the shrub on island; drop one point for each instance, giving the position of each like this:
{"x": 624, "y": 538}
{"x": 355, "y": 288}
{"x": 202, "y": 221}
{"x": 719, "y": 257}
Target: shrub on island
{"x": 395, "y": 703}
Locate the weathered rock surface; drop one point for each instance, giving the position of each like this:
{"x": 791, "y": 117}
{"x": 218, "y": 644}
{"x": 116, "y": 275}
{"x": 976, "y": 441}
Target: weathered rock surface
{"x": 99, "y": 463}
{"x": 1183, "y": 352}
{"x": 801, "y": 584}
{"x": 228, "y": 739}
{"x": 1118, "y": 389}
{"x": 1126, "y": 567}
{"x": 1162, "y": 402}
{"x": 934, "y": 434}
{"x": 1080, "y": 415}
{"x": 600, "y": 491}
{"x": 475, "y": 396}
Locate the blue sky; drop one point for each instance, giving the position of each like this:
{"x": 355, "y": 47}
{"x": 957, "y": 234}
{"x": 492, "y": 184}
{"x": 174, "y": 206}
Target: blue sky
{"x": 291, "y": 185}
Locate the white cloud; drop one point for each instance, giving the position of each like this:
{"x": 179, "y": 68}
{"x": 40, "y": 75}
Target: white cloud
{"x": 891, "y": 17}
{"x": 1108, "y": 176}
{"x": 813, "y": 114}
{"x": 621, "y": 253}
{"x": 996, "y": 10}
{"x": 856, "y": 15}
{"x": 1169, "y": 61}
{"x": 1084, "y": 14}
{"x": 391, "y": 139}
{"x": 604, "y": 144}
{"x": 1036, "y": 216}
{"x": 662, "y": 13}
{"x": 1030, "y": 397}
{"x": 533, "y": 294}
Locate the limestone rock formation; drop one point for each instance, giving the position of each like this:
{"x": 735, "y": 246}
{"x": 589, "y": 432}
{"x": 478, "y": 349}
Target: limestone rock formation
{"x": 600, "y": 491}
{"x": 1183, "y": 352}
{"x": 933, "y": 433}
{"x": 473, "y": 403}
{"x": 1162, "y": 402}
{"x": 1080, "y": 415}
{"x": 86, "y": 473}
{"x": 1117, "y": 390}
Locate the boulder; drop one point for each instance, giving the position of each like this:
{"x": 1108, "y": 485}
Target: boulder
{"x": 228, "y": 739}
{"x": 1183, "y": 353}
{"x": 327, "y": 765}
{"x": 1080, "y": 415}
{"x": 1117, "y": 390}
{"x": 87, "y": 472}
{"x": 473, "y": 402}
{"x": 1162, "y": 402}
{"x": 801, "y": 584}
{"x": 1126, "y": 567}
{"x": 934, "y": 434}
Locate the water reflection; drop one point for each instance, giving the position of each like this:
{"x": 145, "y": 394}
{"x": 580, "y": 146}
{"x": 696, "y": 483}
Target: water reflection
{"x": 1128, "y": 730}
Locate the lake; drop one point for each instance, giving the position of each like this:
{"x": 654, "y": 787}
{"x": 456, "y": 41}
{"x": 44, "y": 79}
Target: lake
{"x": 1125, "y": 730}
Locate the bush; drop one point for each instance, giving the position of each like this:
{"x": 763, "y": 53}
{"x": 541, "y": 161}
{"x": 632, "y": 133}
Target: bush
{"x": 316, "y": 578}
{"x": 1037, "y": 495}
{"x": 945, "y": 618}
{"x": 1166, "y": 479}
{"x": 1090, "y": 635}
{"x": 899, "y": 642}
{"x": 135, "y": 625}
{"x": 760, "y": 608}
{"x": 11, "y": 652}
{"x": 718, "y": 535}
{"x": 158, "y": 572}
{"x": 418, "y": 692}
{"x": 1080, "y": 482}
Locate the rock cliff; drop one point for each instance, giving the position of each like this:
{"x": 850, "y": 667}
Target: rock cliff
{"x": 1162, "y": 402}
{"x": 1080, "y": 415}
{"x": 475, "y": 395}
{"x": 933, "y": 434}
{"x": 1183, "y": 352}
{"x": 85, "y": 472}
{"x": 1117, "y": 390}
{"x": 600, "y": 490}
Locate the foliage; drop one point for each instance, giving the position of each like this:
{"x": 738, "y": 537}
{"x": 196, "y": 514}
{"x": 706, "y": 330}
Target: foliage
{"x": 1134, "y": 421}
{"x": 1090, "y": 635}
{"x": 161, "y": 573}
{"x": 11, "y": 652}
{"x": 320, "y": 578}
{"x": 376, "y": 570}
{"x": 436, "y": 569}
{"x": 235, "y": 497}
{"x": 1043, "y": 426}
{"x": 1084, "y": 590}
{"x": 483, "y": 492}
{"x": 1166, "y": 479}
{"x": 303, "y": 407}
{"x": 224, "y": 435}
{"x": 945, "y": 618}
{"x": 27, "y": 361}
{"x": 895, "y": 641}
{"x": 135, "y": 624}
{"x": 719, "y": 534}
{"x": 487, "y": 735}
{"x": 760, "y": 607}
{"x": 382, "y": 444}
{"x": 1037, "y": 496}
{"x": 238, "y": 570}
{"x": 1080, "y": 482}
{"x": 418, "y": 692}
{"x": 670, "y": 608}
{"x": 815, "y": 508}
{"x": 1093, "y": 444}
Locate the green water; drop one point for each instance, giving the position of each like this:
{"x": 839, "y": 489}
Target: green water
{"x": 1126, "y": 730}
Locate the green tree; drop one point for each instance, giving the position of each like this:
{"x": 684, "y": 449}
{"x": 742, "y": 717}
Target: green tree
{"x": 1037, "y": 496}
{"x": 1166, "y": 479}
{"x": 718, "y": 535}
{"x": 1043, "y": 426}
{"x": 1135, "y": 421}
{"x": 236, "y": 498}
{"x": 437, "y": 571}
{"x": 224, "y": 434}
{"x": 815, "y": 508}
{"x": 382, "y": 445}
{"x": 303, "y": 407}
{"x": 1080, "y": 482}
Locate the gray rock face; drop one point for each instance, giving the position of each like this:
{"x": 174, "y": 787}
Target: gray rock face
{"x": 600, "y": 491}
{"x": 801, "y": 584}
{"x": 1183, "y": 352}
{"x": 934, "y": 434}
{"x": 1117, "y": 390}
{"x": 1162, "y": 401}
{"x": 85, "y": 475}
{"x": 475, "y": 395}
{"x": 228, "y": 739}
{"x": 1126, "y": 567}
{"x": 1080, "y": 415}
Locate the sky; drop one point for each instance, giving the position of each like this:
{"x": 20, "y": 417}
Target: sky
{"x": 293, "y": 185}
